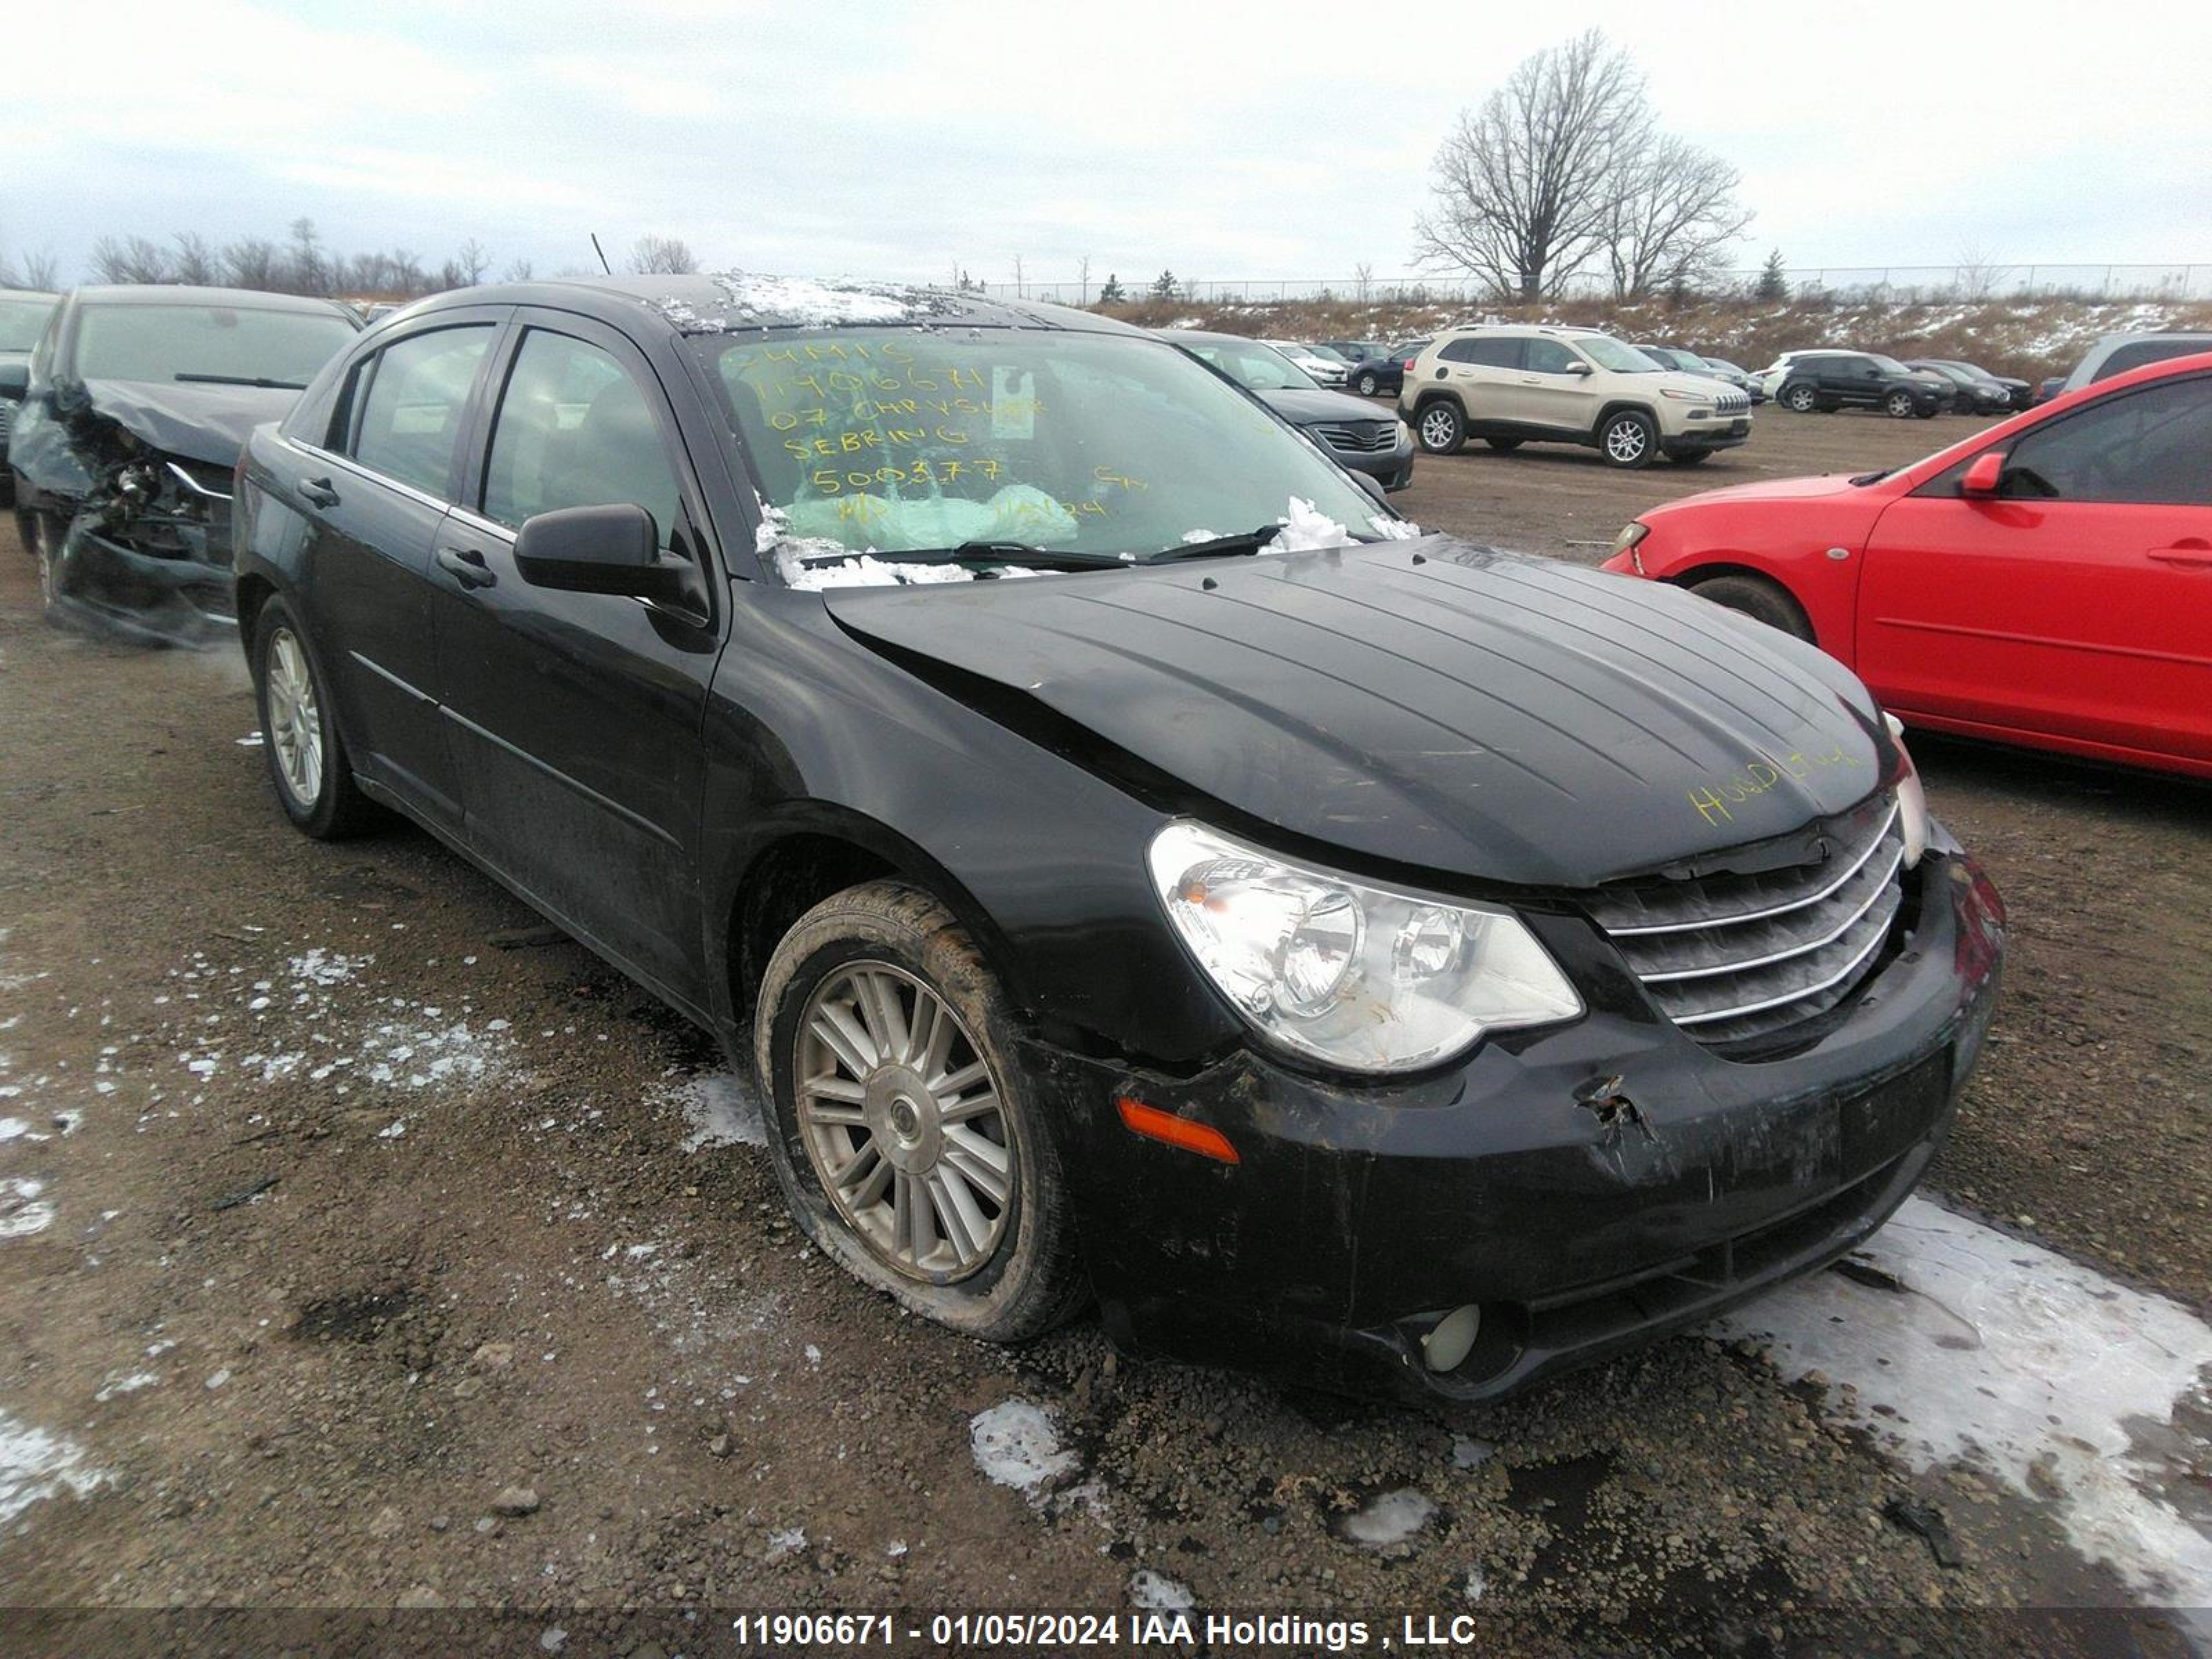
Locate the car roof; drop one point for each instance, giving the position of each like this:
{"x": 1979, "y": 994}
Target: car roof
{"x": 29, "y": 293}
{"x": 235, "y": 299}
{"x": 1213, "y": 336}
{"x": 744, "y": 302}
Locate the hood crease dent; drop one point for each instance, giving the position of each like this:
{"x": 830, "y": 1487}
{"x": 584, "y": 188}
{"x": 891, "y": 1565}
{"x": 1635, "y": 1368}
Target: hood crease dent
{"x": 1425, "y": 703}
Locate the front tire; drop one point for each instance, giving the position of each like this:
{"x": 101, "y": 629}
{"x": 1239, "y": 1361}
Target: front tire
{"x": 904, "y": 1130}
{"x": 1899, "y": 406}
{"x": 1441, "y": 428}
{"x": 1628, "y": 439}
{"x": 1759, "y": 599}
{"x": 299, "y": 740}
{"x": 1799, "y": 400}
{"x": 45, "y": 539}
{"x": 1367, "y": 384}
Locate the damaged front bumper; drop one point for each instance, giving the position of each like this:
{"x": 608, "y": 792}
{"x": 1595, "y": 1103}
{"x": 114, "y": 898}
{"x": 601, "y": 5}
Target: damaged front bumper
{"x": 147, "y": 556}
{"x": 1586, "y": 1187}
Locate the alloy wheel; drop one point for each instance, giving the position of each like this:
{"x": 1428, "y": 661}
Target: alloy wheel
{"x": 904, "y": 1121}
{"x": 1626, "y": 440}
{"x": 1367, "y": 385}
{"x": 296, "y": 723}
{"x": 1800, "y": 399}
{"x": 1438, "y": 429}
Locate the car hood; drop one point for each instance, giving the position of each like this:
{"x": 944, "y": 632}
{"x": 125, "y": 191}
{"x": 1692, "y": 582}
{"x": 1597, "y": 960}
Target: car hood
{"x": 1681, "y": 379}
{"x": 1427, "y": 704}
{"x": 1303, "y": 408}
{"x": 193, "y": 421}
{"x": 1766, "y": 490}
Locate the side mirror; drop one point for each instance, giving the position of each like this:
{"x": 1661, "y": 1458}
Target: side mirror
{"x": 1581, "y": 369}
{"x": 597, "y": 550}
{"x": 14, "y": 381}
{"x": 1982, "y": 478}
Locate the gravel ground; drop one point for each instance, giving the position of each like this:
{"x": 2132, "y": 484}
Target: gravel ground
{"x": 379, "y": 1254}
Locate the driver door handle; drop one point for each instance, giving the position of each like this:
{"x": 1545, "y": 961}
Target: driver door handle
{"x": 2194, "y": 553}
{"x": 466, "y": 566}
{"x": 319, "y": 491}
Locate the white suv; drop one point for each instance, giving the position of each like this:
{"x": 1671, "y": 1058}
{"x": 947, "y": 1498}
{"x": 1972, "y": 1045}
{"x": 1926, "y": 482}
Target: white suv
{"x": 1511, "y": 386}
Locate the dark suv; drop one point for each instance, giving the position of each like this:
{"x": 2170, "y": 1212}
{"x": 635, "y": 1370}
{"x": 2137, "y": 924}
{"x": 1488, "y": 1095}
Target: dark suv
{"x": 1829, "y": 381}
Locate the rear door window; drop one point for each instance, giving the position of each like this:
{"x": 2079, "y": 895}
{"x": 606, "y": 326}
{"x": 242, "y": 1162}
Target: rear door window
{"x": 1482, "y": 352}
{"x": 575, "y": 428}
{"x": 417, "y": 396}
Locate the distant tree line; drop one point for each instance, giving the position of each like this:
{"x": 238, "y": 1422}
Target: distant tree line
{"x": 303, "y": 263}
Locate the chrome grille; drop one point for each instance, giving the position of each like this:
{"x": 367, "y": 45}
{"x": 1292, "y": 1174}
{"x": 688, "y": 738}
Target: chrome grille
{"x": 1736, "y": 958}
{"x": 1359, "y": 437}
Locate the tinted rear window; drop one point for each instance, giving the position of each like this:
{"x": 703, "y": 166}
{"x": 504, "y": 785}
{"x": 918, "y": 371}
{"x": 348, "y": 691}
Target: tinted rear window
{"x": 1484, "y": 352}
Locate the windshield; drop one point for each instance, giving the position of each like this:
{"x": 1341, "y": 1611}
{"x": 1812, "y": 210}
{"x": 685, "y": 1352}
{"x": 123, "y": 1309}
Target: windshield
{"x": 1722, "y": 363}
{"x": 1256, "y": 366}
{"x": 1328, "y": 352}
{"x": 1094, "y": 447}
{"x": 21, "y": 322}
{"x": 222, "y": 344}
{"x": 1608, "y": 353}
{"x": 1887, "y": 365}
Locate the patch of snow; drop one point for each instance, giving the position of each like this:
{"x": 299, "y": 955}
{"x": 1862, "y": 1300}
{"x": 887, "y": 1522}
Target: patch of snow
{"x": 217, "y": 1380}
{"x": 788, "y": 1541}
{"x": 34, "y": 1464}
{"x": 1308, "y": 530}
{"x": 805, "y": 302}
{"x": 1471, "y": 1454}
{"x": 250, "y": 740}
{"x": 2000, "y": 1354}
{"x": 1016, "y": 1443}
{"x": 115, "y": 1385}
{"x": 393, "y": 1130}
{"x": 1388, "y": 1518}
{"x": 23, "y": 1213}
{"x": 13, "y": 1129}
{"x": 721, "y": 1111}
{"x": 1394, "y": 529}
{"x": 812, "y": 572}
{"x": 1155, "y": 1592}
{"x": 321, "y": 967}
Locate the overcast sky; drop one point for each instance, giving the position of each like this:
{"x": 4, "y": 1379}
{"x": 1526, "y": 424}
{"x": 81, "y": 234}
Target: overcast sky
{"x": 1221, "y": 141}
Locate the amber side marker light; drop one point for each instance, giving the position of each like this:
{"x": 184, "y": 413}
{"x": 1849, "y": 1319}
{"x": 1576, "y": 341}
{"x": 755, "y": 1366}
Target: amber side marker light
{"x": 1156, "y": 1125}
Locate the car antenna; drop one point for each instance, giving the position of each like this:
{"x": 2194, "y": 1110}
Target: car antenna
{"x": 601, "y": 252}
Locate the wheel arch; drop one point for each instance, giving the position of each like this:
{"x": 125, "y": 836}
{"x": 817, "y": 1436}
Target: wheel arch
{"x": 1689, "y": 576}
{"x": 1626, "y": 406}
{"x": 806, "y": 852}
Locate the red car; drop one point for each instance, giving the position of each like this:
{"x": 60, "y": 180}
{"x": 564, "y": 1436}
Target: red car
{"x": 2048, "y": 582}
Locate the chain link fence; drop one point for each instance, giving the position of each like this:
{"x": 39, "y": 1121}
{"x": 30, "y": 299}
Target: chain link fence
{"x": 1894, "y": 284}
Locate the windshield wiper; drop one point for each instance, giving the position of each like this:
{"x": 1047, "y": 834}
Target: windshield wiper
{"x": 261, "y": 380}
{"x": 1865, "y": 478}
{"x": 1249, "y": 541}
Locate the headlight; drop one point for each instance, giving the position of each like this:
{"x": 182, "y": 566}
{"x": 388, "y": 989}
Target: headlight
{"x": 1686, "y": 396}
{"x": 1631, "y": 533}
{"x": 1911, "y": 798}
{"x": 1364, "y": 977}
{"x": 1404, "y": 435}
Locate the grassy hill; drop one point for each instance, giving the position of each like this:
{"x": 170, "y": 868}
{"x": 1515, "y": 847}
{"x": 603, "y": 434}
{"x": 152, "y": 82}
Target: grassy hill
{"x": 2029, "y": 338}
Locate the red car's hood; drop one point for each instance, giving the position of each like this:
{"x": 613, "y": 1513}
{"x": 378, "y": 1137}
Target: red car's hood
{"x": 1771, "y": 490}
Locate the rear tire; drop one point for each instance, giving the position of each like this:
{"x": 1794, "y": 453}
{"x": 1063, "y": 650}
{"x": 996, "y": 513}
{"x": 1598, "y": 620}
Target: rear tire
{"x": 1759, "y": 599}
{"x": 1441, "y": 428}
{"x": 1628, "y": 439}
{"x": 990, "y": 1251}
{"x": 307, "y": 760}
{"x": 1798, "y": 399}
{"x": 1503, "y": 445}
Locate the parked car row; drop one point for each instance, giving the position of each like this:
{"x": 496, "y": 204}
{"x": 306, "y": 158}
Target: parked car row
{"x": 1380, "y": 448}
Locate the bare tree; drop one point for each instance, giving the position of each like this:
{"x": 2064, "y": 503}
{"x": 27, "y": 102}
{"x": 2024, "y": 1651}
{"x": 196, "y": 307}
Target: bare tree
{"x": 36, "y": 270}
{"x": 1672, "y": 216}
{"x": 519, "y": 270}
{"x": 469, "y": 263}
{"x": 310, "y": 272}
{"x": 1019, "y": 291}
{"x": 666, "y": 255}
{"x": 1363, "y": 281}
{"x": 1523, "y": 186}
{"x": 251, "y": 262}
{"x": 130, "y": 260}
{"x": 1083, "y": 281}
{"x": 1979, "y": 273}
{"x": 196, "y": 262}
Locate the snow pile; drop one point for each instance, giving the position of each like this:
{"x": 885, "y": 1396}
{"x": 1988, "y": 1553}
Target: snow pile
{"x": 1394, "y": 529}
{"x": 1308, "y": 530}
{"x": 1016, "y": 1443}
{"x": 34, "y": 1464}
{"x": 1155, "y": 1592}
{"x": 1391, "y": 1518}
{"x": 812, "y": 572}
{"x": 2000, "y": 1354}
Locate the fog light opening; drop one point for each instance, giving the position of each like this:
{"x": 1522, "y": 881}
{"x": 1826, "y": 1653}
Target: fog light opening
{"x": 1446, "y": 1344}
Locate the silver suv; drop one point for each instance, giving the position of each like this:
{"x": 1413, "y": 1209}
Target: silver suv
{"x": 1511, "y": 386}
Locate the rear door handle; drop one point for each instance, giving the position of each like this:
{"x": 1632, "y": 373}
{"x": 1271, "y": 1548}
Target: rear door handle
{"x": 2194, "y": 554}
{"x": 319, "y": 491}
{"x": 466, "y": 566}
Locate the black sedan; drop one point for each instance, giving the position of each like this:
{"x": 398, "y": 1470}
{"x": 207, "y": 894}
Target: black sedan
{"x": 1380, "y": 446}
{"x": 138, "y": 402}
{"x": 1384, "y": 375}
{"x": 1971, "y": 394}
{"x": 1136, "y": 862}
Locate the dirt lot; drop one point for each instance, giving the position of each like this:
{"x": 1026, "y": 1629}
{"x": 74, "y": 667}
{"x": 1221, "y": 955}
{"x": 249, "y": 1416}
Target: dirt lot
{"x": 337, "y": 1203}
